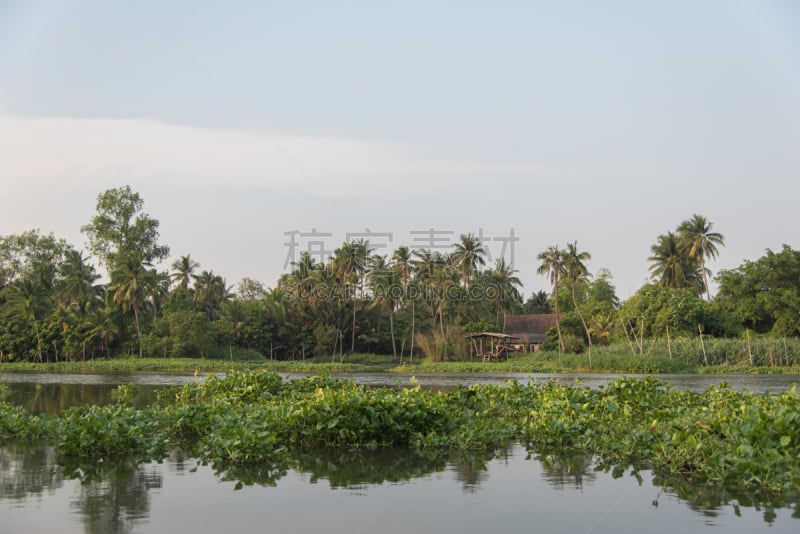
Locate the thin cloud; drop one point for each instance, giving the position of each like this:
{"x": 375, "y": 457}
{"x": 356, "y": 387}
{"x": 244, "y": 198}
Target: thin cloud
{"x": 49, "y": 152}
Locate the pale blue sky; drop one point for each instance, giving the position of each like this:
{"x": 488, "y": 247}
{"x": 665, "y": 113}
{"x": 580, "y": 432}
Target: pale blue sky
{"x": 602, "y": 122}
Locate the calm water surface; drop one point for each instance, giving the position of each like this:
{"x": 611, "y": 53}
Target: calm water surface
{"x": 335, "y": 491}
{"x": 54, "y": 392}
{"x": 391, "y": 492}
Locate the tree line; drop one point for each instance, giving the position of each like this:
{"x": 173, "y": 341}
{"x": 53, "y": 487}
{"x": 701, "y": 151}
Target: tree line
{"x": 407, "y": 304}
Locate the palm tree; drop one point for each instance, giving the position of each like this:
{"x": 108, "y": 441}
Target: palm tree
{"x": 29, "y": 303}
{"x": 350, "y": 264}
{"x": 672, "y": 267}
{"x": 576, "y": 272}
{"x": 403, "y": 267}
{"x": 183, "y": 271}
{"x": 467, "y": 256}
{"x": 77, "y": 288}
{"x": 210, "y": 293}
{"x": 701, "y": 243}
{"x": 130, "y": 287}
{"x": 386, "y": 291}
{"x": 505, "y": 286}
{"x": 552, "y": 267}
{"x": 159, "y": 284}
{"x": 101, "y": 327}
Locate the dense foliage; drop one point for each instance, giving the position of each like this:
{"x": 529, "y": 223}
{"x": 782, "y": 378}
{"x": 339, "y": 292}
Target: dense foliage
{"x": 736, "y": 440}
{"x": 412, "y": 304}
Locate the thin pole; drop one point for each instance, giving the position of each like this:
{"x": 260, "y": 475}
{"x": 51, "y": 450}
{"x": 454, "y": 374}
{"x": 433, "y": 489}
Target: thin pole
{"x": 705, "y": 357}
{"x": 669, "y": 344}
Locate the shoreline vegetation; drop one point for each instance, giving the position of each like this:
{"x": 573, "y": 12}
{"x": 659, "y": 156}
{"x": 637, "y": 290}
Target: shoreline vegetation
{"x": 545, "y": 362}
{"x": 417, "y": 304}
{"x": 739, "y": 441}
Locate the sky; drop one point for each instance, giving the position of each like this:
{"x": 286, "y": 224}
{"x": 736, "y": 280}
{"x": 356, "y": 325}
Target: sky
{"x": 257, "y": 130}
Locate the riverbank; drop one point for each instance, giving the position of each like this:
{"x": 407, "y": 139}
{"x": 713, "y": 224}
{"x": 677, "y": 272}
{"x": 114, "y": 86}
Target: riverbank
{"x": 543, "y": 362}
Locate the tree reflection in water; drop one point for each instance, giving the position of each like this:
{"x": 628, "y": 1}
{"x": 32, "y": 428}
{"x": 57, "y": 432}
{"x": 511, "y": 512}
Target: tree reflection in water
{"x": 356, "y": 469}
{"x": 26, "y": 471}
{"x": 564, "y": 470}
{"x": 114, "y": 497}
{"x": 709, "y": 499}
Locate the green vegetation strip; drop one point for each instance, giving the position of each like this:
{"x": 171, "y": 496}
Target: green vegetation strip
{"x": 738, "y": 440}
{"x": 190, "y": 365}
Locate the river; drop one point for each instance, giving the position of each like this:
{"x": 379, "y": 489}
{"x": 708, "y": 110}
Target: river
{"x": 507, "y": 490}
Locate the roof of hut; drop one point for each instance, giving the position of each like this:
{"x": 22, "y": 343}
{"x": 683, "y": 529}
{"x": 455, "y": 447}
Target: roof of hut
{"x": 529, "y": 328}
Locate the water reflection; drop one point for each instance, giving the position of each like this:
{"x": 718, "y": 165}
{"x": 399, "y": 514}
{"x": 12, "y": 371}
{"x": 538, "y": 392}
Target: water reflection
{"x": 567, "y": 471}
{"x": 120, "y": 500}
{"x": 27, "y": 472}
{"x": 121, "y": 497}
{"x": 52, "y": 393}
{"x": 710, "y": 500}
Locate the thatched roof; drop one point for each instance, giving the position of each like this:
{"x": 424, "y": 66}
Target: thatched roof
{"x": 530, "y": 328}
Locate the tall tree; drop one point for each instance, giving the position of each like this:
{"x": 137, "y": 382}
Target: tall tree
{"x": 183, "y": 270}
{"x": 552, "y": 267}
{"x": 77, "y": 288}
{"x": 120, "y": 228}
{"x": 576, "y": 272}
{"x": 131, "y": 285}
{"x": 505, "y": 286}
{"x": 29, "y": 304}
{"x": 350, "y": 265}
{"x": 386, "y": 286}
{"x": 210, "y": 293}
{"x": 403, "y": 266}
{"x": 100, "y": 326}
{"x": 764, "y": 294}
{"x": 468, "y": 256}
{"x": 672, "y": 266}
{"x": 700, "y": 243}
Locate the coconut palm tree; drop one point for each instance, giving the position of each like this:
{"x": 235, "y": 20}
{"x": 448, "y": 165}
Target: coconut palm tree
{"x": 210, "y": 293}
{"x": 183, "y": 271}
{"x": 402, "y": 265}
{"x": 504, "y": 287}
{"x": 576, "y": 272}
{"x": 552, "y": 267}
{"x": 130, "y": 287}
{"x": 672, "y": 267}
{"x": 350, "y": 265}
{"x": 101, "y": 326}
{"x": 701, "y": 243}
{"x": 29, "y": 303}
{"x": 468, "y": 256}
{"x": 77, "y": 288}
{"x": 385, "y": 284}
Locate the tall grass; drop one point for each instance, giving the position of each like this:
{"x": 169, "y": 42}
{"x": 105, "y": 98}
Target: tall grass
{"x": 757, "y": 352}
{"x": 549, "y": 362}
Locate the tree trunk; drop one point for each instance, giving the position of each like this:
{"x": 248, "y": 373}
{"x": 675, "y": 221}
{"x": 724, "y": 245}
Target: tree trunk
{"x": 583, "y": 321}
{"x": 138, "y": 330}
{"x": 411, "y": 350}
{"x": 705, "y": 276}
{"x": 353, "y": 337}
{"x": 558, "y": 326}
{"x": 391, "y": 329}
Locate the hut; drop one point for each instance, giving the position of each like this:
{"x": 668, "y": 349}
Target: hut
{"x": 492, "y": 346}
{"x": 529, "y": 329}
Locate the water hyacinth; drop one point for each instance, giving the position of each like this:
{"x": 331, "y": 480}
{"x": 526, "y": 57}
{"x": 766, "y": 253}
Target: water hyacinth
{"x": 737, "y": 440}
